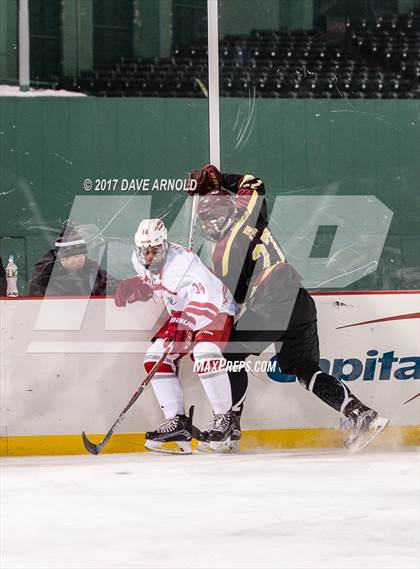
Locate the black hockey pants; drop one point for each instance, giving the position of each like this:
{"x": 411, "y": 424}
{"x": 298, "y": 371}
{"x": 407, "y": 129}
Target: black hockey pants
{"x": 289, "y": 320}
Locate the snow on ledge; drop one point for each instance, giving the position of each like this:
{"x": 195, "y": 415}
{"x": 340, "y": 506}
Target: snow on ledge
{"x": 14, "y": 91}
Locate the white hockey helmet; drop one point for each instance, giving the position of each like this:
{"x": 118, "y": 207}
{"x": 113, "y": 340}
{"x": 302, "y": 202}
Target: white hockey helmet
{"x": 151, "y": 241}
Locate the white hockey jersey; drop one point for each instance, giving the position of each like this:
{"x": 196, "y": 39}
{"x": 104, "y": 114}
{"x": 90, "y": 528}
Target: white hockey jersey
{"x": 186, "y": 285}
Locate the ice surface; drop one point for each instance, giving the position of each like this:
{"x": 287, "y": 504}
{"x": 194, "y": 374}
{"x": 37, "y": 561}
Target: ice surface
{"x": 291, "y": 509}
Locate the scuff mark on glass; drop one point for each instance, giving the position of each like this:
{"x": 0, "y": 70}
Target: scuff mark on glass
{"x": 372, "y": 115}
{"x": 370, "y": 267}
{"x": 154, "y": 113}
{"x": 29, "y": 197}
{"x": 248, "y": 122}
{"x": 63, "y": 158}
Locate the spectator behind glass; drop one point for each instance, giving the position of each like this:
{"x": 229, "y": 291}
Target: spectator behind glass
{"x": 68, "y": 271}
{"x": 3, "y": 282}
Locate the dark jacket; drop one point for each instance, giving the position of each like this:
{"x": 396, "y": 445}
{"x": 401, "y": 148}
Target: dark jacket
{"x": 50, "y": 278}
{"x": 3, "y": 282}
{"x": 249, "y": 251}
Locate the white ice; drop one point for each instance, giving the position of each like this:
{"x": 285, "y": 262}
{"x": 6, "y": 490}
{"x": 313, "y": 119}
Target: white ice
{"x": 292, "y": 509}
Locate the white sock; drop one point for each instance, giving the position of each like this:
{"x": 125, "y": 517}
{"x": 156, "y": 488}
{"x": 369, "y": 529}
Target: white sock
{"x": 217, "y": 388}
{"x": 168, "y": 391}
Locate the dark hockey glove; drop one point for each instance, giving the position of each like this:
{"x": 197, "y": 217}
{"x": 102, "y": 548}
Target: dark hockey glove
{"x": 205, "y": 180}
{"x": 132, "y": 290}
{"x": 180, "y": 331}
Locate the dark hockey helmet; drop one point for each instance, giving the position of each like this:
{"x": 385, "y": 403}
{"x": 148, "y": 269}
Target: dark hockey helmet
{"x": 216, "y": 213}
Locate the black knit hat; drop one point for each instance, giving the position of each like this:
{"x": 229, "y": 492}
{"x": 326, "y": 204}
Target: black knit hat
{"x": 70, "y": 242}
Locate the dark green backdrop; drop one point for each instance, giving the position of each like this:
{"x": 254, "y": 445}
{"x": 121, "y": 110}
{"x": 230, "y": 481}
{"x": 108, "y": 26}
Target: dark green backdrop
{"x": 48, "y": 146}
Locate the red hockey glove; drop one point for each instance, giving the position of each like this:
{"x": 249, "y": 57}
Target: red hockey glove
{"x": 205, "y": 180}
{"x": 131, "y": 290}
{"x": 180, "y": 331}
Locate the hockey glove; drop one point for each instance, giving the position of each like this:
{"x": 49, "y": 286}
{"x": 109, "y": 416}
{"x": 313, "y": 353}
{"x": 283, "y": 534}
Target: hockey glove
{"x": 131, "y": 290}
{"x": 205, "y": 180}
{"x": 180, "y": 331}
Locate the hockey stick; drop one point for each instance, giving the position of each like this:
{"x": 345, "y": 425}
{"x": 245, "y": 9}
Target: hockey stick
{"x": 193, "y": 223}
{"x": 411, "y": 399}
{"x": 96, "y": 449}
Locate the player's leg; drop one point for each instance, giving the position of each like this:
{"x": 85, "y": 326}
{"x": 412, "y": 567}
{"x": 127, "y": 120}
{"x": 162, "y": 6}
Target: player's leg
{"x": 299, "y": 354}
{"x": 235, "y": 353}
{"x": 239, "y": 385}
{"x": 174, "y": 434}
{"x": 210, "y": 366}
{"x": 362, "y": 422}
{"x": 251, "y": 334}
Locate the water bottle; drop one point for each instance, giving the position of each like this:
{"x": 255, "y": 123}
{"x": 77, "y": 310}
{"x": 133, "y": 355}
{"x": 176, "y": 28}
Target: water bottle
{"x": 11, "y": 277}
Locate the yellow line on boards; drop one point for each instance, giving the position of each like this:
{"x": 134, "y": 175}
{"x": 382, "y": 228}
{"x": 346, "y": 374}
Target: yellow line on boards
{"x": 251, "y": 440}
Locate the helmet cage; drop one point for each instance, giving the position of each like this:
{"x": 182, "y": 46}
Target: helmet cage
{"x": 151, "y": 237}
{"x": 159, "y": 256}
{"x": 216, "y": 214}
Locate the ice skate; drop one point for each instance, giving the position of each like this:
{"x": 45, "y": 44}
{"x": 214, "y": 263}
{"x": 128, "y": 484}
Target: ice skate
{"x": 361, "y": 427}
{"x": 221, "y": 431}
{"x": 237, "y": 433}
{"x": 172, "y": 437}
{"x": 204, "y": 442}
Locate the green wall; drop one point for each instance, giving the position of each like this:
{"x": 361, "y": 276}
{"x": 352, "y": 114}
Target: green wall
{"x": 48, "y": 146}
{"x": 337, "y": 147}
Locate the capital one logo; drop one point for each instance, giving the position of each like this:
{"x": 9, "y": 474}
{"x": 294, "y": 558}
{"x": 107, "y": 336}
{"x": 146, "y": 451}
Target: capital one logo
{"x": 374, "y": 366}
{"x": 333, "y": 241}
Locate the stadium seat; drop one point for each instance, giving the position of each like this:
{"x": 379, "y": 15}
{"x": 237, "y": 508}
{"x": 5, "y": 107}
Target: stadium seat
{"x": 376, "y": 58}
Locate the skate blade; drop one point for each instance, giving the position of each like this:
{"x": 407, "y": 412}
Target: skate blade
{"x": 203, "y": 447}
{"x": 235, "y": 446}
{"x": 375, "y": 428}
{"x": 170, "y": 447}
{"x": 222, "y": 446}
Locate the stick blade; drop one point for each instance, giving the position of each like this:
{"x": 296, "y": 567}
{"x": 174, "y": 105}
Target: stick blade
{"x": 89, "y": 446}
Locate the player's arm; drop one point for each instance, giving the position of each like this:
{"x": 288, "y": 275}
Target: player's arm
{"x": 209, "y": 179}
{"x": 248, "y": 189}
{"x": 201, "y": 306}
{"x": 231, "y": 260}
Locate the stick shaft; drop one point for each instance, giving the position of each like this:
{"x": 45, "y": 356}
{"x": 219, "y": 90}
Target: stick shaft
{"x": 411, "y": 398}
{"x": 193, "y": 223}
{"x": 96, "y": 449}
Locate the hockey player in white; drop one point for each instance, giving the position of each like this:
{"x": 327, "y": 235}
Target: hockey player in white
{"x": 201, "y": 311}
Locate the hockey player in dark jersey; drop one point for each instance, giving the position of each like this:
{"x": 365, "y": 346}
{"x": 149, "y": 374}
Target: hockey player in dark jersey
{"x": 232, "y": 211}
